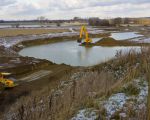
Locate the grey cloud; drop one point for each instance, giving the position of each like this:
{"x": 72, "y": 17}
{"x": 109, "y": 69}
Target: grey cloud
{"x": 116, "y": 2}
{"x": 62, "y": 5}
{"x": 81, "y": 8}
{"x": 28, "y": 10}
{"x": 7, "y": 2}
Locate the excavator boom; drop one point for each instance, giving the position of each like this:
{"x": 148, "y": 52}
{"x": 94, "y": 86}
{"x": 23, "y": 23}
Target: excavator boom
{"x": 83, "y": 31}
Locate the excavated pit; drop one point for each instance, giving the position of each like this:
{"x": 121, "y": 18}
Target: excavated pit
{"x": 62, "y": 91}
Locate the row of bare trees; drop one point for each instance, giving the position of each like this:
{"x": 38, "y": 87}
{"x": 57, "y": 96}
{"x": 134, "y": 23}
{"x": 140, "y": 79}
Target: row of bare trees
{"x": 108, "y": 22}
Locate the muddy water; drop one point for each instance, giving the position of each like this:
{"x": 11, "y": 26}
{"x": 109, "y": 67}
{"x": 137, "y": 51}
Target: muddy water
{"x": 71, "y": 53}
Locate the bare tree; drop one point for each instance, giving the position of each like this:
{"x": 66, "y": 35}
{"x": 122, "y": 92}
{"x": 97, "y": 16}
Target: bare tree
{"x": 117, "y": 21}
{"x": 126, "y": 21}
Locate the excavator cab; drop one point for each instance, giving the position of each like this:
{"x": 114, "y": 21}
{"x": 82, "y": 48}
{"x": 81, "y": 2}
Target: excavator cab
{"x": 83, "y": 31}
{"x": 7, "y": 83}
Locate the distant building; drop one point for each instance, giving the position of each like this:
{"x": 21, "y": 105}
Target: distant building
{"x": 143, "y": 21}
{"x": 116, "y": 21}
{"x": 111, "y": 21}
{"x": 140, "y": 21}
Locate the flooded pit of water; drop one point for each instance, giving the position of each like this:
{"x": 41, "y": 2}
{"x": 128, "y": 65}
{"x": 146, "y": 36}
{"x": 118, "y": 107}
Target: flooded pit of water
{"x": 71, "y": 53}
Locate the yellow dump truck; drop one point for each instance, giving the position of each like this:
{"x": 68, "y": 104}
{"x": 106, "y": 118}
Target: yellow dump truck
{"x": 6, "y": 82}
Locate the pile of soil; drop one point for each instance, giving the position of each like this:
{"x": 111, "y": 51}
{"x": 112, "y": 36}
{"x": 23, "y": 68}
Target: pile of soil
{"x": 108, "y": 41}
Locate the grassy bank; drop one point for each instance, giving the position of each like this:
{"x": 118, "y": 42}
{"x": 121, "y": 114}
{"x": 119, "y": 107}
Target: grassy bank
{"x": 132, "y": 67}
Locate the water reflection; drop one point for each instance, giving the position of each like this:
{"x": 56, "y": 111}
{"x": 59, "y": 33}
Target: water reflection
{"x": 84, "y": 54}
{"x": 72, "y": 54}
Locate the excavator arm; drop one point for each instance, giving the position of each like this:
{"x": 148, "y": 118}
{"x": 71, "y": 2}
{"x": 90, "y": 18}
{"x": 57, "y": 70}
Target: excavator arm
{"x": 83, "y": 31}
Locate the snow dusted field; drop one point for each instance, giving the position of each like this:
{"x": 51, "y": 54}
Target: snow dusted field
{"x": 118, "y": 103}
{"x": 10, "y": 41}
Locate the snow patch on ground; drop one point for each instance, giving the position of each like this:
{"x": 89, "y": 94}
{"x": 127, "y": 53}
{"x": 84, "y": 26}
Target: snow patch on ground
{"x": 85, "y": 114}
{"x": 117, "y": 101}
{"x": 147, "y": 40}
{"x": 141, "y": 40}
{"x": 141, "y": 98}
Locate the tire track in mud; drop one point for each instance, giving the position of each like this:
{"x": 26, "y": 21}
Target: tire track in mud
{"x": 35, "y": 76}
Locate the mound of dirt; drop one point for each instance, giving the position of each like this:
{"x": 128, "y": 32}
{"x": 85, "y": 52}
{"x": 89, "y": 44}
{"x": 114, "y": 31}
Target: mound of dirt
{"x": 106, "y": 40}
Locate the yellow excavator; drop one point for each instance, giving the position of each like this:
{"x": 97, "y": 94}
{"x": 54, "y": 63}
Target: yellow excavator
{"x": 83, "y": 31}
{"x": 6, "y": 82}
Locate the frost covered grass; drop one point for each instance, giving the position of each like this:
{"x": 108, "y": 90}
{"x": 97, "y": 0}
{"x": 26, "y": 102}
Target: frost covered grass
{"x": 114, "y": 103}
{"x": 120, "y": 102}
{"x": 119, "y": 105}
{"x": 128, "y": 92}
{"x": 130, "y": 89}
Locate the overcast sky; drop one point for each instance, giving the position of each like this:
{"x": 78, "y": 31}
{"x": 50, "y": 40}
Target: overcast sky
{"x": 66, "y": 9}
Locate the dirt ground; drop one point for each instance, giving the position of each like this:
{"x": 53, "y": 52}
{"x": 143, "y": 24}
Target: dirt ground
{"x": 29, "y": 73}
{"x": 29, "y": 77}
{"x": 37, "y": 31}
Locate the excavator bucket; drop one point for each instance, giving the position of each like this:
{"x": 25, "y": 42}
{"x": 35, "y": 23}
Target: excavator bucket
{"x": 79, "y": 40}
